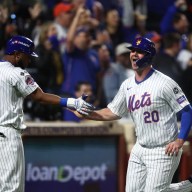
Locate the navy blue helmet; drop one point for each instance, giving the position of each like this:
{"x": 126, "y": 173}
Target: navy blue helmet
{"x": 21, "y": 44}
{"x": 147, "y": 46}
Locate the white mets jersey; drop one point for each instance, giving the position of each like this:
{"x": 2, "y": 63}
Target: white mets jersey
{"x": 15, "y": 85}
{"x": 152, "y": 104}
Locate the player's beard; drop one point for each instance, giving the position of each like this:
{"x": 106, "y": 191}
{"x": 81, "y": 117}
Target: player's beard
{"x": 21, "y": 64}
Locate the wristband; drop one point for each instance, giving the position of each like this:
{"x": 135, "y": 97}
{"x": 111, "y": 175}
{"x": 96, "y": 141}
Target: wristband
{"x": 63, "y": 102}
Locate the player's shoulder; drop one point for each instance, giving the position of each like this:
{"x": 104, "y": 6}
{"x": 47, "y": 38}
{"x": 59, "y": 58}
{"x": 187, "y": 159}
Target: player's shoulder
{"x": 5, "y": 64}
{"x": 165, "y": 82}
{"x": 162, "y": 77}
{"x": 6, "y": 68}
{"x": 17, "y": 71}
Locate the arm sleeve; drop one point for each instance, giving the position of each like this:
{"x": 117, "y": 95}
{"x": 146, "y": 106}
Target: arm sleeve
{"x": 186, "y": 122}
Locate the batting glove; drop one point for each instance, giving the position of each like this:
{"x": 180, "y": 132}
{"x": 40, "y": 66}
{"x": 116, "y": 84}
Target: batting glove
{"x": 80, "y": 105}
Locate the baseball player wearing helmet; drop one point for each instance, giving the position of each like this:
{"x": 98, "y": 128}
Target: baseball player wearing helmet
{"x": 152, "y": 99}
{"x": 16, "y": 84}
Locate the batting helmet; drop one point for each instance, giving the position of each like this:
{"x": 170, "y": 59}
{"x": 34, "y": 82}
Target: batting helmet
{"x": 21, "y": 44}
{"x": 147, "y": 46}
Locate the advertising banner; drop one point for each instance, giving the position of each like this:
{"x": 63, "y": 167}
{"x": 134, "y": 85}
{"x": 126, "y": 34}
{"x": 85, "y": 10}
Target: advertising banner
{"x": 71, "y": 164}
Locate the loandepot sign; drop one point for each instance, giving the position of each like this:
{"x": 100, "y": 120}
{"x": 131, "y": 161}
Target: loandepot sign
{"x": 65, "y": 173}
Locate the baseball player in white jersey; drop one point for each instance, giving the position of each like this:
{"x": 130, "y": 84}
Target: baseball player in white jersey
{"x": 16, "y": 84}
{"x": 152, "y": 99}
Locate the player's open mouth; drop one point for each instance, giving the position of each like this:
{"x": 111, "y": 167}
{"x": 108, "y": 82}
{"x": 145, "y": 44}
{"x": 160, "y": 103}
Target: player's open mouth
{"x": 134, "y": 60}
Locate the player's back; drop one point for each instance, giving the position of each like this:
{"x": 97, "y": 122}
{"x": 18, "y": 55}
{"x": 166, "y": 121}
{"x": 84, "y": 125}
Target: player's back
{"x": 10, "y": 100}
{"x": 5, "y": 88}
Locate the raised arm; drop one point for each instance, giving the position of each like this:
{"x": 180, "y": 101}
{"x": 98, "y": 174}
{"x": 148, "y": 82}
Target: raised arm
{"x": 73, "y": 28}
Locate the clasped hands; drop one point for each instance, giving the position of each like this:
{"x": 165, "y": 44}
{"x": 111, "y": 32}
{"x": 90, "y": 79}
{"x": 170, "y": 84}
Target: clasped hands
{"x": 80, "y": 105}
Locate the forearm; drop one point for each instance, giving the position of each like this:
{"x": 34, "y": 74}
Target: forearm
{"x": 73, "y": 28}
{"x": 46, "y": 98}
{"x": 78, "y": 104}
{"x": 128, "y": 13}
{"x": 102, "y": 115}
{"x": 166, "y": 23}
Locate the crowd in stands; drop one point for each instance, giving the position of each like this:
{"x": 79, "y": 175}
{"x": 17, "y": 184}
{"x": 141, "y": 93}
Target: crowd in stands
{"x": 82, "y": 45}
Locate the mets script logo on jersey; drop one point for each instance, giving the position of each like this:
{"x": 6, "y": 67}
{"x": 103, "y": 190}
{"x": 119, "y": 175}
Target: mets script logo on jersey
{"x": 29, "y": 80}
{"x": 135, "y": 104}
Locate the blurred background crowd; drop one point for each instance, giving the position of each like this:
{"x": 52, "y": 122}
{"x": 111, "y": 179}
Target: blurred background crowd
{"x": 82, "y": 45}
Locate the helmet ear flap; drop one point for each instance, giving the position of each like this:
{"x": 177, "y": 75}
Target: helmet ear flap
{"x": 146, "y": 60}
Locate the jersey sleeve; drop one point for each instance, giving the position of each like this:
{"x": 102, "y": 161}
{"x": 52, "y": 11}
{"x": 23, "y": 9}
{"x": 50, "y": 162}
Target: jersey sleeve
{"x": 118, "y": 105}
{"x": 23, "y": 82}
{"x": 174, "y": 96}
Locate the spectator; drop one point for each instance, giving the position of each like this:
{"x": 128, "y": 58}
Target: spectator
{"x": 102, "y": 37}
{"x": 176, "y": 21}
{"x": 138, "y": 29}
{"x": 117, "y": 72}
{"x": 47, "y": 70}
{"x": 134, "y": 15}
{"x": 185, "y": 59}
{"x": 80, "y": 61}
{"x": 82, "y": 87}
{"x": 8, "y": 26}
{"x": 98, "y": 11}
{"x": 114, "y": 27}
{"x": 50, "y": 64}
{"x": 105, "y": 62}
{"x": 27, "y": 16}
{"x": 63, "y": 15}
{"x": 87, "y": 4}
{"x": 95, "y": 8}
{"x": 185, "y": 55}
{"x": 87, "y": 20}
{"x": 38, "y": 16}
{"x": 166, "y": 62}
{"x": 22, "y": 18}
